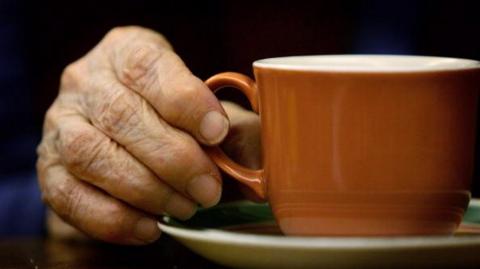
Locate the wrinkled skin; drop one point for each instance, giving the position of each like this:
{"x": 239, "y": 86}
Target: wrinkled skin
{"x": 122, "y": 141}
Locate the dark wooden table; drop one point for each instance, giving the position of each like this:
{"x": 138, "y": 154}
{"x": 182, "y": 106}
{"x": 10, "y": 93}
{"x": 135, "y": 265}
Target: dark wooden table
{"x": 39, "y": 253}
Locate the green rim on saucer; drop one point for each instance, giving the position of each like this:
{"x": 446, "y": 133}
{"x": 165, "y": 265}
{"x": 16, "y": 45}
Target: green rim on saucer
{"x": 244, "y": 235}
{"x": 245, "y": 212}
{"x": 473, "y": 212}
{"x": 226, "y": 215}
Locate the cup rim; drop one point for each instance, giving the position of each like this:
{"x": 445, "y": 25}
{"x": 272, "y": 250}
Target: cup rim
{"x": 367, "y": 63}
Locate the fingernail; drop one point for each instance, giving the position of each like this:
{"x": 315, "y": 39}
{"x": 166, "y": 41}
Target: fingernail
{"x": 205, "y": 189}
{"x": 180, "y": 207}
{"x": 214, "y": 127}
{"x": 146, "y": 230}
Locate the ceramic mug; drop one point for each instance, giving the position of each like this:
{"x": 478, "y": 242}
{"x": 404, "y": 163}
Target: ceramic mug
{"x": 361, "y": 145}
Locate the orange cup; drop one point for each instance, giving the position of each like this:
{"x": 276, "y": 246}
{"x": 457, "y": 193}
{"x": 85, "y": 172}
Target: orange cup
{"x": 361, "y": 145}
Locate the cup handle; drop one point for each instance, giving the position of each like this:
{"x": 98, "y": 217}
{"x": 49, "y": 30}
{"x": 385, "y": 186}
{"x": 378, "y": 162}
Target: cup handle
{"x": 251, "y": 178}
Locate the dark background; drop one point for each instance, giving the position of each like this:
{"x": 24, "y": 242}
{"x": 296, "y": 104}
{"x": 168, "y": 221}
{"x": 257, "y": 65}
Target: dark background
{"x": 214, "y": 36}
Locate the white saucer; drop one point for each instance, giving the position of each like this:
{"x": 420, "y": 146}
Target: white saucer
{"x": 246, "y": 250}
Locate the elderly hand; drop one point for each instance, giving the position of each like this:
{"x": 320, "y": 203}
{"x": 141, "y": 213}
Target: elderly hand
{"x": 121, "y": 142}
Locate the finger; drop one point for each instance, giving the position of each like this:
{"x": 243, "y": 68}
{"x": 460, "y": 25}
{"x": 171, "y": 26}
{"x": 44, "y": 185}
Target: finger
{"x": 243, "y": 143}
{"x": 173, "y": 155}
{"x": 59, "y": 229}
{"x": 160, "y": 76}
{"x": 94, "y": 212}
{"x": 93, "y": 157}
{"x": 243, "y": 140}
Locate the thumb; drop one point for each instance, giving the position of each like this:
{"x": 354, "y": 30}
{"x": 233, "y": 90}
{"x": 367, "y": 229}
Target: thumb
{"x": 242, "y": 143}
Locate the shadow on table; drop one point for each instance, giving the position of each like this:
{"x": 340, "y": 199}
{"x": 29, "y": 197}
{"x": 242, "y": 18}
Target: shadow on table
{"x": 44, "y": 253}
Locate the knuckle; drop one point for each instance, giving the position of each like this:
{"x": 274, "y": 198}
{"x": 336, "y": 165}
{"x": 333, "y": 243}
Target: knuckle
{"x": 54, "y": 117}
{"x": 120, "y": 31}
{"x": 149, "y": 197}
{"x": 165, "y": 151}
{"x": 175, "y": 159}
{"x": 42, "y": 152}
{"x": 78, "y": 148}
{"x": 182, "y": 102}
{"x": 115, "y": 34}
{"x": 47, "y": 155}
{"x": 182, "y": 149}
{"x": 188, "y": 92}
{"x": 138, "y": 195}
{"x": 165, "y": 198}
{"x": 63, "y": 199}
{"x": 71, "y": 75}
{"x": 117, "y": 213}
{"x": 131, "y": 32}
{"x": 138, "y": 68}
{"x": 118, "y": 226}
{"x": 51, "y": 117}
{"x": 115, "y": 31}
{"x": 120, "y": 113}
{"x": 69, "y": 198}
